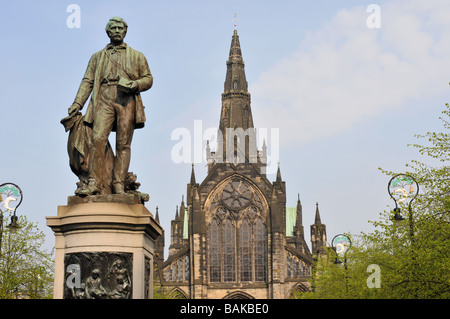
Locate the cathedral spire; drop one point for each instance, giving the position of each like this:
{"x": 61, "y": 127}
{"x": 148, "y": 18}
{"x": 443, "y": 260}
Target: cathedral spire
{"x": 299, "y": 218}
{"x": 235, "y": 55}
{"x": 317, "y": 220}
{"x": 182, "y": 208}
{"x": 235, "y": 80}
{"x": 236, "y": 112}
{"x": 318, "y": 234}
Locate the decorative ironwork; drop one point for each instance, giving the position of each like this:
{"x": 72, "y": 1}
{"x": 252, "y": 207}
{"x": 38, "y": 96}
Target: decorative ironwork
{"x": 341, "y": 244}
{"x": 403, "y": 189}
{"x": 10, "y": 197}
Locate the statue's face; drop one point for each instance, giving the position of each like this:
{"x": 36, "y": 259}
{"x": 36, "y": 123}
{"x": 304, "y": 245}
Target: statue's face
{"x": 116, "y": 32}
{"x": 95, "y": 273}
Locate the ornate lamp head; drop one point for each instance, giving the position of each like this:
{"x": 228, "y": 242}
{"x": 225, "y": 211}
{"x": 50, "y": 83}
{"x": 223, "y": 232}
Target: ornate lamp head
{"x": 341, "y": 244}
{"x": 403, "y": 189}
{"x": 10, "y": 199}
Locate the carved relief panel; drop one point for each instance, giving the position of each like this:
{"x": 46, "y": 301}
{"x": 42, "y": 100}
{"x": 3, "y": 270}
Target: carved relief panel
{"x": 98, "y": 275}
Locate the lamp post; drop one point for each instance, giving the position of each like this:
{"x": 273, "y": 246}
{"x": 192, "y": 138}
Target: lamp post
{"x": 403, "y": 189}
{"x": 341, "y": 244}
{"x": 10, "y": 199}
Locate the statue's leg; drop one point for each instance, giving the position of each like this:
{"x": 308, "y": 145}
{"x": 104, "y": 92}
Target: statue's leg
{"x": 124, "y": 136}
{"x": 104, "y": 117}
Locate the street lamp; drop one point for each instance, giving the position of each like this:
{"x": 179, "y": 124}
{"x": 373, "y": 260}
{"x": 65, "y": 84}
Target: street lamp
{"x": 341, "y": 244}
{"x": 10, "y": 199}
{"x": 403, "y": 189}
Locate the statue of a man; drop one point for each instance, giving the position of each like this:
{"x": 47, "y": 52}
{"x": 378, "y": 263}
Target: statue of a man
{"x": 114, "y": 78}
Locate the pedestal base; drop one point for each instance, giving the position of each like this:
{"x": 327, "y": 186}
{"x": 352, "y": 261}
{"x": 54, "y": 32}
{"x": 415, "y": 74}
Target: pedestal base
{"x": 104, "y": 249}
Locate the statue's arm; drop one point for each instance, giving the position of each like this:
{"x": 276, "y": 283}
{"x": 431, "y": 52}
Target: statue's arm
{"x": 85, "y": 89}
{"x": 145, "y": 80}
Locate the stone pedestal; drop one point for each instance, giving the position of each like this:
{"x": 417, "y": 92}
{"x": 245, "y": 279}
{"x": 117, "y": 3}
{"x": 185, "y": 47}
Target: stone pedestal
{"x": 104, "y": 248}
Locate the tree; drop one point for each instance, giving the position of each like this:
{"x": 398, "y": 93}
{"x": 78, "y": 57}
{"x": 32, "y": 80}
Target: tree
{"x": 26, "y": 269}
{"x": 429, "y": 245}
{"x": 414, "y": 259}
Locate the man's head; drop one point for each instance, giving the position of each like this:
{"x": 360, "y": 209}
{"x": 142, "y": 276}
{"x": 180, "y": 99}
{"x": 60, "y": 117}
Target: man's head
{"x": 116, "y": 29}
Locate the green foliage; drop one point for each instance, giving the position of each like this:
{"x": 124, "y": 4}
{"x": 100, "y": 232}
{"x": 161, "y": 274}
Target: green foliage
{"x": 160, "y": 293}
{"x": 413, "y": 254}
{"x": 26, "y": 269}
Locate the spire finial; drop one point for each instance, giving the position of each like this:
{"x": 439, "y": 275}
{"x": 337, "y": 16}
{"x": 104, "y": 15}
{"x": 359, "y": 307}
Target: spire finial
{"x": 235, "y": 21}
{"x": 278, "y": 173}
{"x": 317, "y": 220}
{"x": 157, "y": 214}
{"x": 192, "y": 175}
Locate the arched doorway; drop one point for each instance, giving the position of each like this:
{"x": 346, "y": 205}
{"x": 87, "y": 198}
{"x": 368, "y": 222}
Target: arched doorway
{"x": 238, "y": 295}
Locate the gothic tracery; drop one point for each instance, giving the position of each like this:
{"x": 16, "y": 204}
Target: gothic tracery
{"x": 237, "y": 234}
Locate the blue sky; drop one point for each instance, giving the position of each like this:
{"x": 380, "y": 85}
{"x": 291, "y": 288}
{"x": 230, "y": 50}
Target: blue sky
{"x": 347, "y": 99}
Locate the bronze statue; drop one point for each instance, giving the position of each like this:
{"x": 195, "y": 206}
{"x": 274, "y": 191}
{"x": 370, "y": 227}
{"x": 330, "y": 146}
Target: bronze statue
{"x": 114, "y": 78}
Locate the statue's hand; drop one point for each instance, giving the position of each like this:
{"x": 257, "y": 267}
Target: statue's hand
{"x": 134, "y": 86}
{"x": 127, "y": 86}
{"x": 74, "y": 108}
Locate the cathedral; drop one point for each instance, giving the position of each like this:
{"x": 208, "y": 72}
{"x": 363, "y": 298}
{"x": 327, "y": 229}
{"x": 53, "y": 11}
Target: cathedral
{"x": 233, "y": 236}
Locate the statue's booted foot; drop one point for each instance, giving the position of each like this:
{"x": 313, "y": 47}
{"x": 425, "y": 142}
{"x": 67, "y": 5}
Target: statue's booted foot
{"x": 90, "y": 189}
{"x": 119, "y": 189}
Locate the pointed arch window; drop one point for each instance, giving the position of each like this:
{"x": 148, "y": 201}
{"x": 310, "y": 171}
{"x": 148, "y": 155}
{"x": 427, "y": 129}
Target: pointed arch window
{"x": 229, "y": 253}
{"x": 260, "y": 251}
{"x": 288, "y": 264}
{"x": 295, "y": 268}
{"x": 237, "y": 238}
{"x": 246, "y": 110}
{"x": 214, "y": 252}
{"x": 174, "y": 272}
{"x": 245, "y": 251}
{"x": 186, "y": 268}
